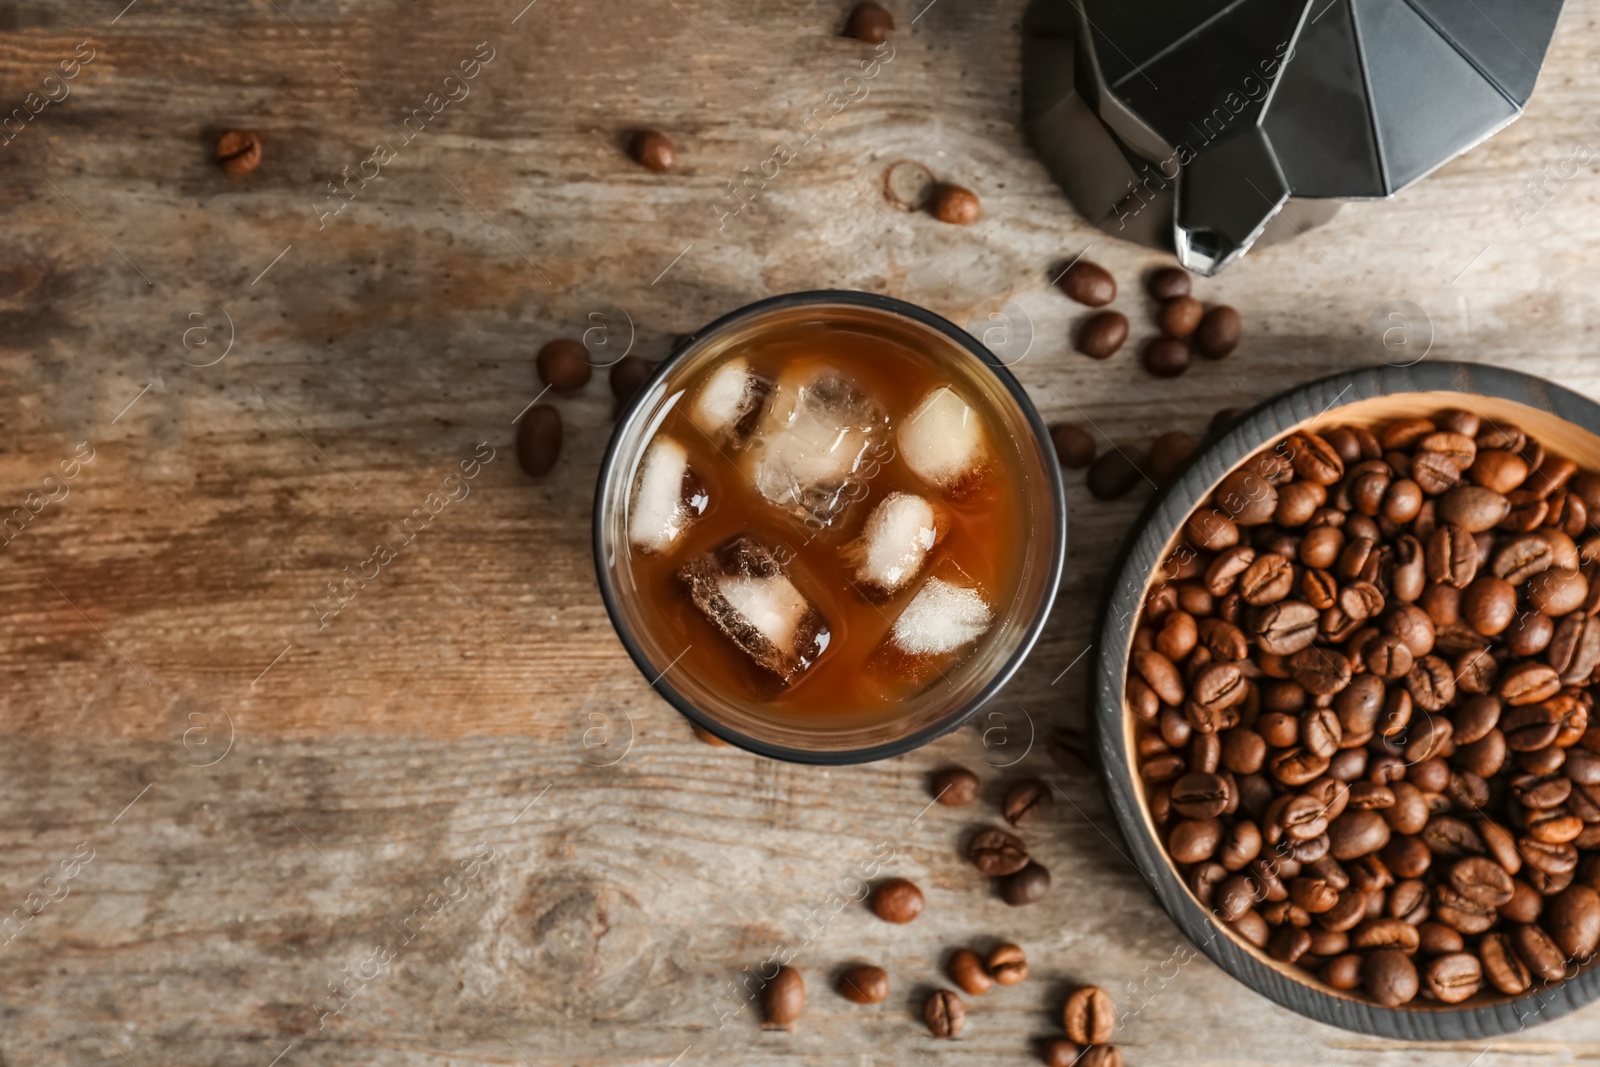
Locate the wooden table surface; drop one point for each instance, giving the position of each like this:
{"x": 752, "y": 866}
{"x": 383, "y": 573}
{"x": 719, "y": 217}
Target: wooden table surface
{"x": 458, "y": 789}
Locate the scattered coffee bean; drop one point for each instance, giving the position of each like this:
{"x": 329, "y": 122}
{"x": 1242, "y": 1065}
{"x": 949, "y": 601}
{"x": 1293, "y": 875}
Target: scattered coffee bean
{"x": 954, "y": 787}
{"x": 896, "y": 900}
{"x": 956, "y": 205}
{"x": 1218, "y": 332}
{"x": 1089, "y": 283}
{"x": 869, "y": 22}
{"x": 997, "y": 853}
{"x": 1113, "y": 474}
{"x": 1102, "y": 334}
{"x": 1059, "y": 1052}
{"x": 563, "y": 365}
{"x": 944, "y": 1013}
{"x": 653, "y": 151}
{"x": 1180, "y": 316}
{"x": 966, "y": 970}
{"x": 1074, "y": 445}
{"x": 628, "y": 375}
{"x": 1090, "y": 1017}
{"x": 239, "y": 152}
{"x": 1166, "y": 357}
{"x": 1026, "y": 801}
{"x": 539, "y": 439}
{"x": 1007, "y": 964}
{"x": 1169, "y": 283}
{"x": 1101, "y": 1056}
{"x": 783, "y": 998}
{"x": 865, "y": 984}
{"x": 1025, "y": 886}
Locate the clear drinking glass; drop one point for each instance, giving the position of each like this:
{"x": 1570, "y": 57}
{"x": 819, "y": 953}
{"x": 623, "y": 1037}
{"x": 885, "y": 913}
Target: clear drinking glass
{"x": 941, "y": 706}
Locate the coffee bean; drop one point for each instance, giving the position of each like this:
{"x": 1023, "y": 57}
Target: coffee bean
{"x": 1060, "y": 1052}
{"x": 1357, "y": 833}
{"x": 865, "y": 984}
{"x": 1090, "y": 1018}
{"x": 628, "y": 375}
{"x": 783, "y": 998}
{"x": 1542, "y": 955}
{"x": 1180, "y": 316}
{"x": 954, "y": 787}
{"x": 1473, "y": 507}
{"x": 1573, "y": 920}
{"x": 1028, "y": 800}
{"x": 1007, "y": 964}
{"x": 1218, "y": 332}
{"x": 896, "y": 900}
{"x": 1102, "y": 334}
{"x": 563, "y": 365}
{"x": 869, "y": 22}
{"x": 1390, "y": 977}
{"x": 1025, "y": 886}
{"x": 1502, "y": 966}
{"x": 1166, "y": 357}
{"x": 1089, "y": 283}
{"x": 1101, "y": 1056}
{"x": 944, "y": 1013}
{"x": 1168, "y": 283}
{"x": 539, "y": 440}
{"x": 967, "y": 971}
{"x": 1075, "y": 446}
{"x": 239, "y": 152}
{"x": 1113, "y": 474}
{"x": 1453, "y": 978}
{"x": 997, "y": 853}
{"x": 955, "y": 205}
{"x": 653, "y": 151}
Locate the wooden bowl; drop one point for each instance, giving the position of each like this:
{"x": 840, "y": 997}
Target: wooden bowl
{"x": 1565, "y": 423}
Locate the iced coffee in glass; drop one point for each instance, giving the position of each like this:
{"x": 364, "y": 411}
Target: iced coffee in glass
{"x": 830, "y": 527}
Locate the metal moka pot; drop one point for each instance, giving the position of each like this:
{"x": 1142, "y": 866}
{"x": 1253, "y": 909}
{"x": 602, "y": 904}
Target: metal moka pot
{"x": 1204, "y": 126}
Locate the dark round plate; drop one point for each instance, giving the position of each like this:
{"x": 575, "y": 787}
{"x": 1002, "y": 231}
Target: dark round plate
{"x": 1559, "y": 418}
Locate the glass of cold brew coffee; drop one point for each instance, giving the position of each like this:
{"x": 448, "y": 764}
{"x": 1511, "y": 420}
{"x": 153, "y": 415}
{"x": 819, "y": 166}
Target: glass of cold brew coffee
{"x": 830, "y": 527}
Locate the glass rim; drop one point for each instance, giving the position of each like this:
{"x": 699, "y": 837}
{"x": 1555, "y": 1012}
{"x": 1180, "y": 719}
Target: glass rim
{"x": 1054, "y": 563}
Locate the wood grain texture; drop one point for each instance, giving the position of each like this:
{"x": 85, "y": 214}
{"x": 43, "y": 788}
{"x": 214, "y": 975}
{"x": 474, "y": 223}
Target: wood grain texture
{"x": 372, "y": 352}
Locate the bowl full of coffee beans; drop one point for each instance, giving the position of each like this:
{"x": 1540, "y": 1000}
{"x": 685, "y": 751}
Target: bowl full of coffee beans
{"x": 1345, "y": 695}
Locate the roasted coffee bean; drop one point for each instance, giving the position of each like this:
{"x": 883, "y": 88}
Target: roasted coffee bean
{"x": 869, "y": 22}
{"x": 1090, "y": 1017}
{"x": 1530, "y": 727}
{"x": 1075, "y": 446}
{"x": 1389, "y": 977}
{"x": 539, "y": 440}
{"x": 1451, "y": 556}
{"x": 1113, "y": 474}
{"x": 1089, "y": 283}
{"x": 1168, "y": 283}
{"x": 1025, "y": 886}
{"x": 1200, "y": 795}
{"x": 652, "y": 150}
{"x": 1246, "y": 497}
{"x": 955, "y": 787}
{"x": 1321, "y": 670}
{"x": 628, "y": 376}
{"x": 966, "y": 970}
{"x": 1539, "y": 952}
{"x": 1387, "y": 657}
{"x": 1060, "y": 1052}
{"x": 1541, "y": 792}
{"x": 1498, "y": 470}
{"x": 1573, "y": 921}
{"x": 563, "y": 365}
{"x": 783, "y": 998}
{"x": 1431, "y": 683}
{"x": 1102, "y": 334}
{"x": 1528, "y": 683}
{"x": 1179, "y": 316}
{"x": 955, "y": 204}
{"x": 1556, "y": 592}
{"x": 896, "y": 900}
{"x": 1169, "y": 454}
{"x": 1482, "y": 880}
{"x": 1285, "y": 628}
{"x": 1218, "y": 332}
{"x": 1453, "y": 978}
{"x": 1393, "y": 932}
{"x": 1101, "y": 1056}
{"x": 1027, "y": 801}
{"x": 1166, "y": 357}
{"x": 238, "y": 152}
{"x": 1342, "y": 972}
{"x": 1268, "y": 579}
{"x": 1502, "y": 966}
{"x": 944, "y": 1013}
{"x": 1007, "y": 964}
{"x": 997, "y": 853}
{"x": 865, "y": 984}
{"x": 1357, "y": 833}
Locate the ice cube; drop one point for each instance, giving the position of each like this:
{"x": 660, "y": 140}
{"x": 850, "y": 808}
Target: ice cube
{"x": 940, "y": 619}
{"x": 729, "y": 402}
{"x": 892, "y": 546}
{"x": 666, "y": 498}
{"x": 943, "y": 439}
{"x": 813, "y": 443}
{"x": 742, "y": 588}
